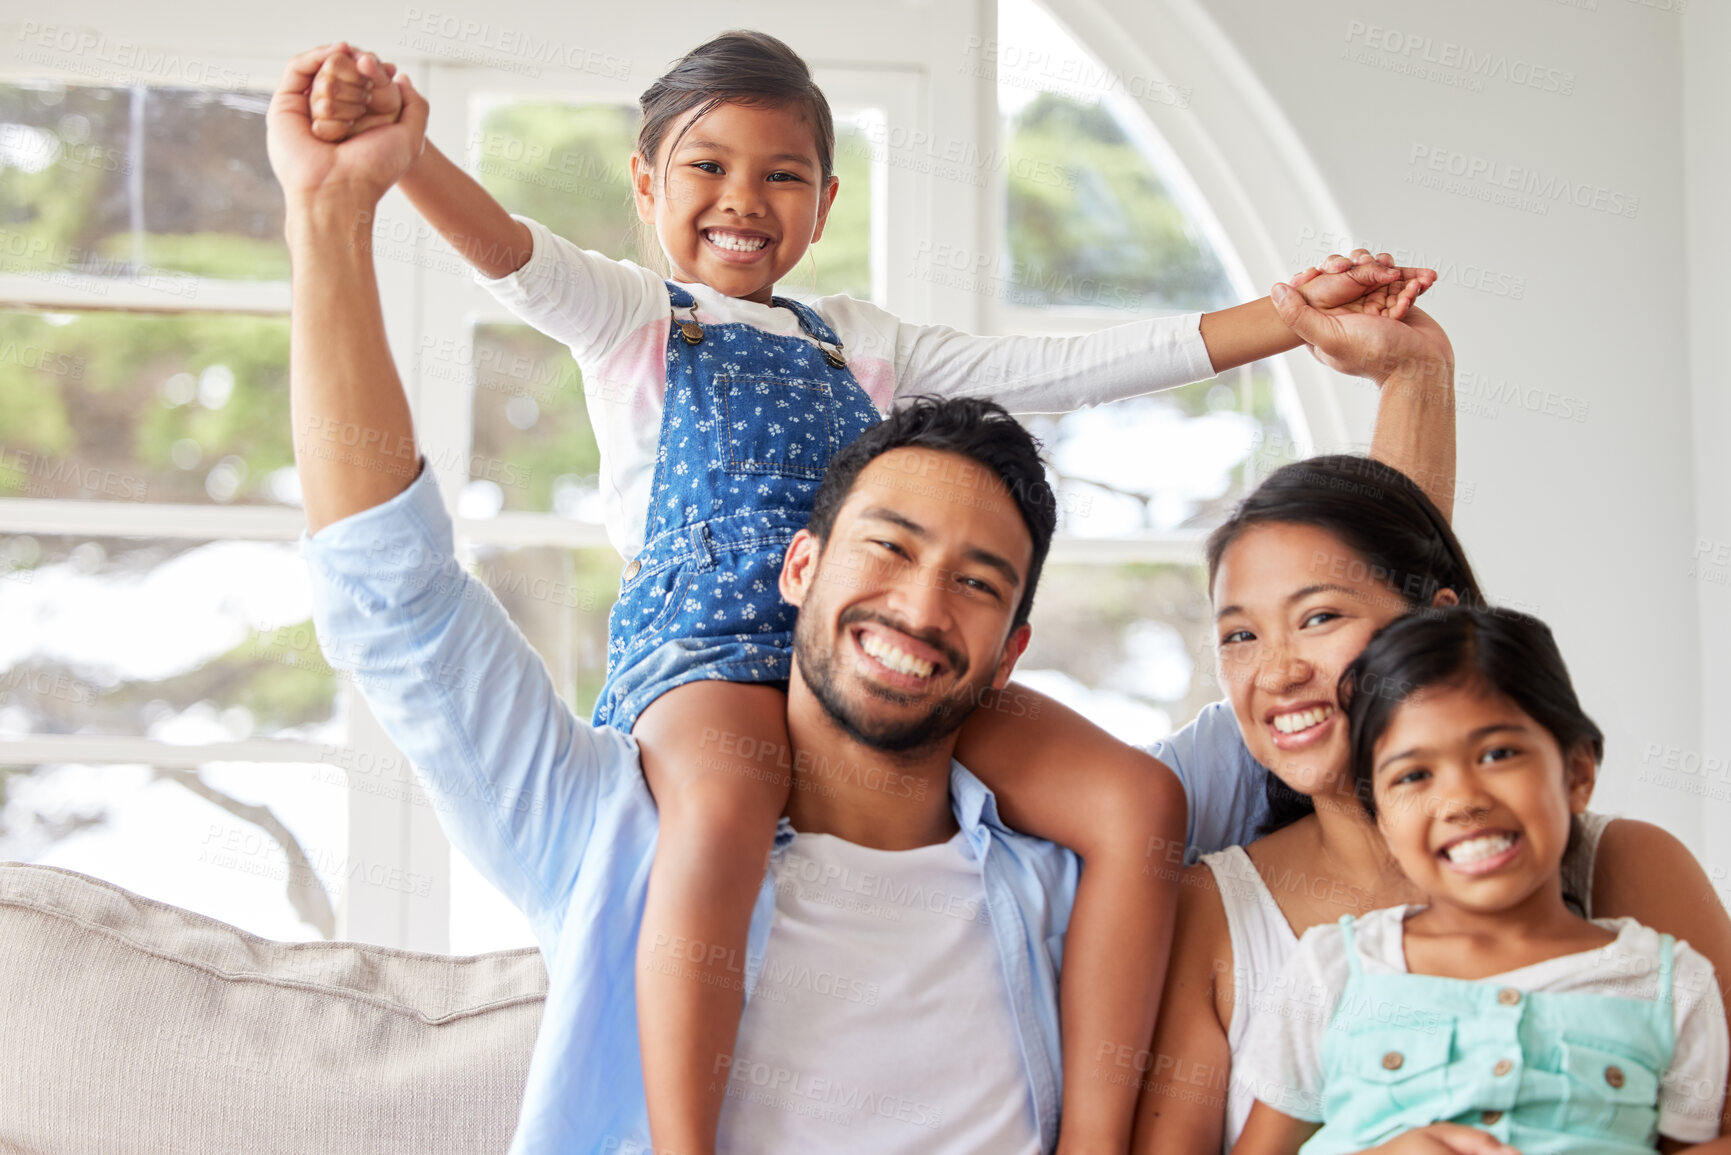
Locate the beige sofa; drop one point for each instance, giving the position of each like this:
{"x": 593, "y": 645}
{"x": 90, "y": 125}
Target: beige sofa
{"x": 128, "y": 1025}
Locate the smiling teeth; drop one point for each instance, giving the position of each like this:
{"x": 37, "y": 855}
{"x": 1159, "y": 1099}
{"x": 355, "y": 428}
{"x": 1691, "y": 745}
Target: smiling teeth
{"x": 1475, "y": 849}
{"x": 736, "y": 244}
{"x": 1303, "y": 720}
{"x": 894, "y": 658}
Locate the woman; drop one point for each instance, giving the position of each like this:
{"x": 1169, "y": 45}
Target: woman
{"x": 1319, "y": 558}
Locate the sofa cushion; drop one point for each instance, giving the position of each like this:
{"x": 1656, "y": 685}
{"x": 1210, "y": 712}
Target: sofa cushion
{"x": 134, "y": 1026}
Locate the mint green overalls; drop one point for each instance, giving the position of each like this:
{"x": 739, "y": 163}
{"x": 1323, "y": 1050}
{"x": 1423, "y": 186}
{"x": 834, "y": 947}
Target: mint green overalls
{"x": 1544, "y": 1072}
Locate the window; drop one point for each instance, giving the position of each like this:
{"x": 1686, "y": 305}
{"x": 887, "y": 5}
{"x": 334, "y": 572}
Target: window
{"x": 1098, "y": 229}
{"x": 166, "y": 719}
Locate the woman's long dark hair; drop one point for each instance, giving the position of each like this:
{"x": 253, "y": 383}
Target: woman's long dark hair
{"x": 1381, "y": 515}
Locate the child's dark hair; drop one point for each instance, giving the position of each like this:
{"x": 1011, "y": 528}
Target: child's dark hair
{"x": 1504, "y": 652}
{"x": 1380, "y": 514}
{"x": 738, "y": 67}
{"x": 980, "y": 430}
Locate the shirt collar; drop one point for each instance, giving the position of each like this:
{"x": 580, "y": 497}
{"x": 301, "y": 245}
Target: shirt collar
{"x": 971, "y": 801}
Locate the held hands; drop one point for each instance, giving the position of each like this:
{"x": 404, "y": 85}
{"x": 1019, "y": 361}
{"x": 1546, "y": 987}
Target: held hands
{"x": 1379, "y": 335}
{"x": 308, "y": 165}
{"x": 353, "y": 92}
{"x": 1362, "y": 283}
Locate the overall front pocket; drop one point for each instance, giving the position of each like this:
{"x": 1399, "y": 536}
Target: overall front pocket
{"x": 781, "y": 426}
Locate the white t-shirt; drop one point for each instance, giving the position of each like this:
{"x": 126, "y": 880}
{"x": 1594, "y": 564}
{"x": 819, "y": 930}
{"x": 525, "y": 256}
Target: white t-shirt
{"x": 615, "y": 317}
{"x": 1282, "y": 1064}
{"x": 881, "y": 1020}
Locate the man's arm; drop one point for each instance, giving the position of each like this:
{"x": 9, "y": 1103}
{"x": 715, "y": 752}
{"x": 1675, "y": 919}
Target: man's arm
{"x": 517, "y": 781}
{"x": 342, "y": 381}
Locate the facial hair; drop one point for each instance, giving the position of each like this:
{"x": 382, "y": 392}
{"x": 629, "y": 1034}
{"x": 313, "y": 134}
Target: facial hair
{"x": 819, "y": 662}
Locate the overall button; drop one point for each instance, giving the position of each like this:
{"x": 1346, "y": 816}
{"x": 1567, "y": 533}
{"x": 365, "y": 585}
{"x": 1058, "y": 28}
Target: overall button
{"x": 1490, "y": 1117}
{"x": 1614, "y": 1076}
{"x": 1508, "y": 996}
{"x": 633, "y": 569}
{"x": 1392, "y": 1061}
{"x": 1502, "y": 1068}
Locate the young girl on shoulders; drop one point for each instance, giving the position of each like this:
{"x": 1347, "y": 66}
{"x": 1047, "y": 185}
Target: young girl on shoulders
{"x": 717, "y": 405}
{"x": 1492, "y": 1019}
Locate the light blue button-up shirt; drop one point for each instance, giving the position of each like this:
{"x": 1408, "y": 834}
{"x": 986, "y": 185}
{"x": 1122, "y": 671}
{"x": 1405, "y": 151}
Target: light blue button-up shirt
{"x": 557, "y": 815}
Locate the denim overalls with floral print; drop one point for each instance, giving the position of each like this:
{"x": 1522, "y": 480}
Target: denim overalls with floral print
{"x": 1545, "y": 1072}
{"x": 749, "y": 424}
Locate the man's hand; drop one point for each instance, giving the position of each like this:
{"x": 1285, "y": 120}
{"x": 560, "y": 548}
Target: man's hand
{"x": 1363, "y": 283}
{"x": 360, "y": 169}
{"x": 352, "y": 93}
{"x": 1362, "y": 343}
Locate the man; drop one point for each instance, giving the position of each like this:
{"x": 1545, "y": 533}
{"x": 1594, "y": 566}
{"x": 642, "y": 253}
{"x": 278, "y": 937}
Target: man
{"x": 901, "y": 973}
{"x": 907, "y": 998}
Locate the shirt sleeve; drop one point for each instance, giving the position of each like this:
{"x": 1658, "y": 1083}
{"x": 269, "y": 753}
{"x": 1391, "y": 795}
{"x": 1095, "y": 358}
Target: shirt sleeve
{"x": 1052, "y": 374}
{"x": 1281, "y": 1060}
{"x": 1692, "y": 1092}
{"x": 516, "y": 780}
{"x": 581, "y": 298}
{"x": 1224, "y": 786}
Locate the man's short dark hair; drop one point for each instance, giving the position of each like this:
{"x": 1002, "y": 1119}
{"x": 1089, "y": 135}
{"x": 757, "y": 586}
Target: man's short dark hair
{"x": 980, "y": 430}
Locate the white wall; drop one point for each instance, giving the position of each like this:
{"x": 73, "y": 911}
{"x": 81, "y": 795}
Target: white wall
{"x": 1590, "y": 523}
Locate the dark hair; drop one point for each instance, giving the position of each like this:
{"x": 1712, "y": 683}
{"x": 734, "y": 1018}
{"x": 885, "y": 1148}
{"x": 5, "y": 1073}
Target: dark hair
{"x": 1384, "y": 517}
{"x": 980, "y": 430}
{"x": 1505, "y": 652}
{"x": 738, "y": 67}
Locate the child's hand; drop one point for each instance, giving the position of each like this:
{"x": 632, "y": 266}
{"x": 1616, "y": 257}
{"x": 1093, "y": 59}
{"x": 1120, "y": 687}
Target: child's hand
{"x": 1362, "y": 283}
{"x": 1444, "y": 1139}
{"x": 352, "y": 93}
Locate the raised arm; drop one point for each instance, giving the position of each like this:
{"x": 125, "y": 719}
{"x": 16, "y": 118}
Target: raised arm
{"x": 516, "y": 780}
{"x": 1413, "y": 365}
{"x": 353, "y": 438}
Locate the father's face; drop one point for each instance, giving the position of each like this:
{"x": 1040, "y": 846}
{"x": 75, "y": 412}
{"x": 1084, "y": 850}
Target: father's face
{"x": 905, "y": 611}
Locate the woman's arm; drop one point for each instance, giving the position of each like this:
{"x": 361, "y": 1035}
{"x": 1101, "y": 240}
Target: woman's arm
{"x": 1413, "y": 365}
{"x": 1186, "y": 1071}
{"x": 1645, "y": 873}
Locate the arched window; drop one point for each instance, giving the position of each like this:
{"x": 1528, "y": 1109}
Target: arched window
{"x": 166, "y": 718}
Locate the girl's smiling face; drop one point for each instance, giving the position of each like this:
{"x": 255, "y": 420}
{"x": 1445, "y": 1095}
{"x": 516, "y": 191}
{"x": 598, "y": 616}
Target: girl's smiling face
{"x": 1295, "y": 605}
{"x": 736, "y": 197}
{"x": 1474, "y": 797}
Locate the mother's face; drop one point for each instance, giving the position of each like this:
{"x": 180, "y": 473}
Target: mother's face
{"x": 1293, "y": 606}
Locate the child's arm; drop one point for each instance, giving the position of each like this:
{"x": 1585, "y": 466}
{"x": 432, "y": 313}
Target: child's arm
{"x": 1252, "y": 331}
{"x": 1272, "y": 1132}
{"x": 351, "y": 94}
{"x": 1060, "y": 777}
{"x": 1269, "y": 1132}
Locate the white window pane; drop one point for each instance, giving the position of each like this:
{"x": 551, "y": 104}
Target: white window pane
{"x": 534, "y": 448}
{"x": 181, "y": 641}
{"x": 138, "y": 182}
{"x": 1091, "y": 223}
{"x": 1130, "y": 646}
{"x": 482, "y": 919}
{"x": 263, "y": 847}
{"x": 174, "y": 408}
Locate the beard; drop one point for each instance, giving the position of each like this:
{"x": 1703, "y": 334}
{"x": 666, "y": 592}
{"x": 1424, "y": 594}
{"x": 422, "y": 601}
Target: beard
{"x": 819, "y": 665}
